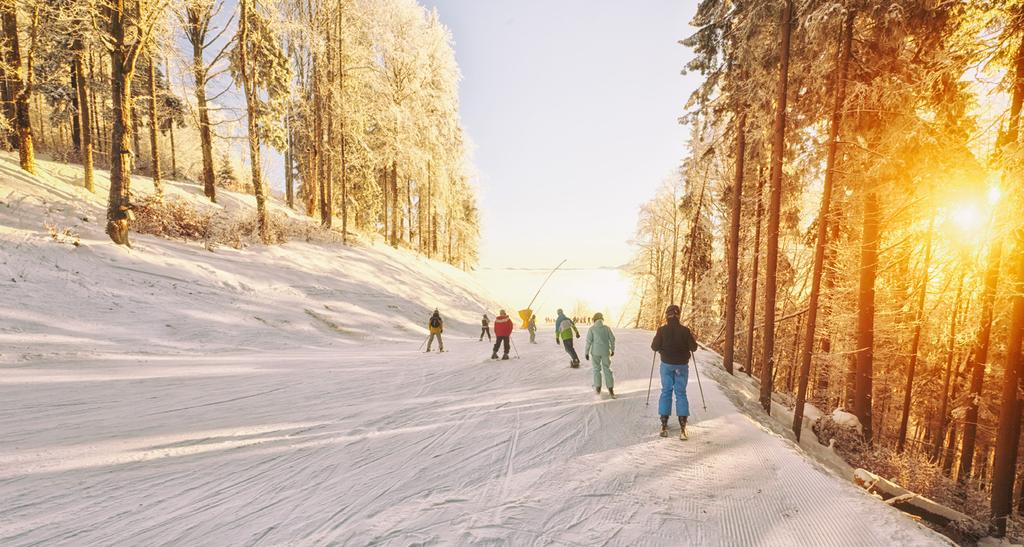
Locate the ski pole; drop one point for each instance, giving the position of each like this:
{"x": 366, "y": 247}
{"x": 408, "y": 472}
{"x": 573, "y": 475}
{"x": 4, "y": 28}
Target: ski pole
{"x": 514, "y": 346}
{"x": 651, "y": 381}
{"x": 702, "y": 401}
{"x": 423, "y": 342}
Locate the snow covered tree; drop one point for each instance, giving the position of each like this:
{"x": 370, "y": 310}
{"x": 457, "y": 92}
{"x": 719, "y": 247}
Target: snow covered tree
{"x": 258, "y": 63}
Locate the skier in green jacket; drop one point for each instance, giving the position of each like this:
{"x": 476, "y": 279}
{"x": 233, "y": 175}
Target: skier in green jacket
{"x": 564, "y": 329}
{"x": 601, "y": 346}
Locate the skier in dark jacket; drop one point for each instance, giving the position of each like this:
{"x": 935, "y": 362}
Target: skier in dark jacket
{"x": 675, "y": 343}
{"x": 436, "y": 326}
{"x": 485, "y": 328}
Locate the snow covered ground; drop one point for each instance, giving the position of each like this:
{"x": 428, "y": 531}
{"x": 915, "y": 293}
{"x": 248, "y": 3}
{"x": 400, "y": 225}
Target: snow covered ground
{"x": 170, "y": 395}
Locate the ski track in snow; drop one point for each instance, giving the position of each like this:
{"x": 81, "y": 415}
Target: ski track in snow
{"x": 389, "y": 446}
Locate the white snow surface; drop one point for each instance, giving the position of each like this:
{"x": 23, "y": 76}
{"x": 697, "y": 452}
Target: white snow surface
{"x": 276, "y": 396}
{"x": 847, "y": 419}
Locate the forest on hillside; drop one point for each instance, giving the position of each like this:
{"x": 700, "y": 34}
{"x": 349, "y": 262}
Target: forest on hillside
{"x": 359, "y": 98}
{"x": 846, "y": 227}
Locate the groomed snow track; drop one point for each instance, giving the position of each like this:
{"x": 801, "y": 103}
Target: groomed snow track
{"x": 385, "y": 445}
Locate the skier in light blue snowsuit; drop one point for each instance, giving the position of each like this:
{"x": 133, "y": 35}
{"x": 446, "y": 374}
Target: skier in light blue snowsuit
{"x": 601, "y": 346}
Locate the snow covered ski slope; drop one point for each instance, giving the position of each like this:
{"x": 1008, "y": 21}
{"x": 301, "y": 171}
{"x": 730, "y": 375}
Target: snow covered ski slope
{"x": 275, "y": 396}
{"x": 384, "y": 445}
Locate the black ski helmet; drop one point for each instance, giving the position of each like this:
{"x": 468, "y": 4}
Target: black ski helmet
{"x": 672, "y": 311}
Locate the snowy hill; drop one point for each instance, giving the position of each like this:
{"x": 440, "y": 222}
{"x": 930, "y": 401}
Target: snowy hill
{"x": 167, "y": 296}
{"x": 168, "y": 394}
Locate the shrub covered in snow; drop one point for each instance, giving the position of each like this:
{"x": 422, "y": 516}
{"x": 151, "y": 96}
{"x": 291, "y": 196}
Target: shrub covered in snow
{"x": 177, "y": 218}
{"x": 171, "y": 218}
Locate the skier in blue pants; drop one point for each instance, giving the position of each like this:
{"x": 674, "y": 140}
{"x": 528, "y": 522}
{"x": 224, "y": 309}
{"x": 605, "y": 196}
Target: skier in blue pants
{"x": 675, "y": 343}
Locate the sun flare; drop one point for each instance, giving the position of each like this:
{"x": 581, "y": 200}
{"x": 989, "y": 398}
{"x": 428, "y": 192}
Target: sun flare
{"x": 967, "y": 217}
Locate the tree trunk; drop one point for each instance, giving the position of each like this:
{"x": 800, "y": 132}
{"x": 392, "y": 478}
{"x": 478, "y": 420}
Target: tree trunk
{"x": 19, "y": 83}
{"x": 735, "y": 212}
{"x": 76, "y": 120}
{"x": 692, "y": 237}
{"x": 866, "y": 312}
{"x": 205, "y": 137}
{"x": 134, "y": 130}
{"x": 822, "y": 373}
{"x": 394, "y": 206}
{"x": 84, "y": 115}
{"x": 1004, "y": 465}
{"x": 385, "y": 182}
{"x": 121, "y": 72}
{"x": 95, "y": 104}
{"x": 915, "y": 345}
{"x": 940, "y": 434}
{"x": 154, "y": 142}
{"x": 249, "y": 87}
{"x": 408, "y": 209}
{"x": 342, "y": 128}
{"x": 753, "y": 276}
{"x": 170, "y": 126}
{"x": 9, "y": 111}
{"x": 289, "y": 165}
{"x": 774, "y": 207}
{"x": 835, "y": 122}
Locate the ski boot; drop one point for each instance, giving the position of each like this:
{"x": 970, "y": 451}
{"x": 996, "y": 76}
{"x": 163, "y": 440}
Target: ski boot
{"x": 504, "y": 357}
{"x": 664, "y": 426}
{"x": 597, "y": 390}
{"x": 611, "y": 393}
{"x": 494, "y": 356}
{"x": 682, "y": 428}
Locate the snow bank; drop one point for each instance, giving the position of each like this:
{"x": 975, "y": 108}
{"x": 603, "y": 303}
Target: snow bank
{"x": 846, "y": 419}
{"x": 76, "y": 293}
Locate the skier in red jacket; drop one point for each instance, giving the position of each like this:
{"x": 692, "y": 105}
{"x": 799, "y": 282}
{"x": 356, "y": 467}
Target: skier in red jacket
{"x": 502, "y": 332}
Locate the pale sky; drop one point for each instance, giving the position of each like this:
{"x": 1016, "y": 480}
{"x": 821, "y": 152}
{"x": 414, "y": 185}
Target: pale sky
{"x": 571, "y": 106}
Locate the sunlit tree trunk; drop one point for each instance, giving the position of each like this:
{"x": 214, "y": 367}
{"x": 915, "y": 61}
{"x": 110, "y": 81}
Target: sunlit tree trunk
{"x": 754, "y": 277}
{"x": 735, "y": 211}
{"x": 289, "y": 165}
{"x": 775, "y": 206}
{"x": 170, "y": 128}
{"x": 84, "y": 115}
{"x": 394, "y": 207}
{"x": 1008, "y": 430}
{"x": 915, "y": 345}
{"x": 154, "y": 139}
{"x": 940, "y": 434}
{"x": 122, "y": 69}
{"x": 249, "y": 87}
{"x": 19, "y": 84}
{"x": 198, "y": 22}
{"x": 866, "y": 311}
{"x": 835, "y": 121}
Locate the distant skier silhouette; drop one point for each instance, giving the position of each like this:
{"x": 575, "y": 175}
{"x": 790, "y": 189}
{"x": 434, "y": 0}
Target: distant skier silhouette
{"x": 485, "y": 328}
{"x": 436, "y": 326}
